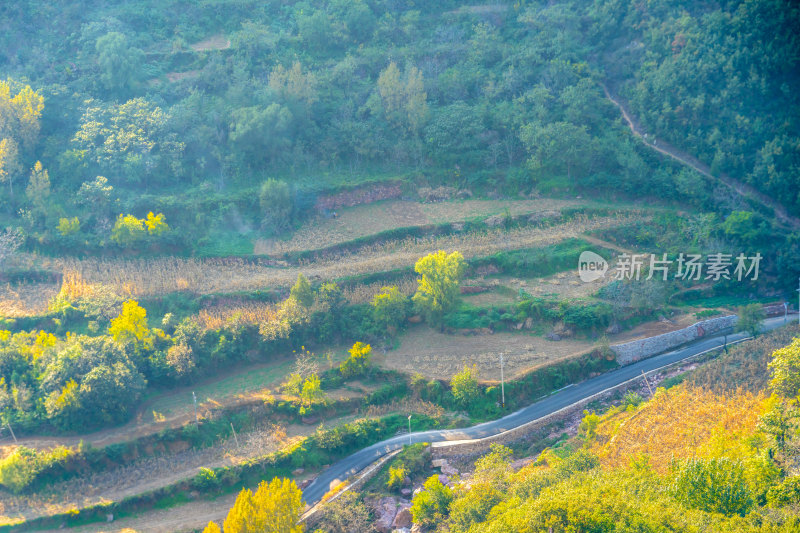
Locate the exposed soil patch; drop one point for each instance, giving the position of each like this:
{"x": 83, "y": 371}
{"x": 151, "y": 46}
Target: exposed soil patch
{"x": 440, "y": 355}
{"x": 215, "y": 42}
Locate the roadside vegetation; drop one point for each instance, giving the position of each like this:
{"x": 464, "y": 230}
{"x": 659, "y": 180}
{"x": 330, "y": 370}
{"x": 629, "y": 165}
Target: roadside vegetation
{"x": 322, "y": 217}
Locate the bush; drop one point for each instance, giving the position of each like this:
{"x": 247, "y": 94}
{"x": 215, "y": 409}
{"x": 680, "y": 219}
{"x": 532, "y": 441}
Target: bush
{"x": 716, "y": 485}
{"x": 431, "y": 506}
{"x": 397, "y": 478}
{"x": 24, "y": 466}
{"x": 357, "y": 363}
{"x": 206, "y": 479}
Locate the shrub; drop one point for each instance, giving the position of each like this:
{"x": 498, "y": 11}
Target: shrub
{"x": 68, "y": 226}
{"x": 431, "y": 505}
{"x": 397, "y": 477}
{"x": 24, "y": 466}
{"x": 750, "y": 318}
{"x": 716, "y": 485}
{"x": 357, "y": 363}
{"x": 128, "y": 230}
{"x": 205, "y": 479}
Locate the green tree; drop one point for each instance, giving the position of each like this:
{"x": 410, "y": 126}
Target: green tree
{"x": 785, "y": 370}
{"x": 311, "y": 391}
{"x": 559, "y": 147}
{"x": 438, "y": 284}
{"x": 302, "y": 292}
{"x": 464, "y": 387}
{"x": 345, "y": 514}
{"x": 108, "y": 392}
{"x": 132, "y": 140}
{"x": 750, "y": 320}
{"x": 431, "y": 506}
{"x": 120, "y": 63}
{"x": 68, "y": 226}
{"x": 746, "y": 227}
{"x": 128, "y": 230}
{"x": 389, "y": 309}
{"x": 779, "y": 423}
{"x": 131, "y": 327}
{"x": 403, "y": 96}
{"x": 261, "y": 135}
{"x": 277, "y": 205}
{"x": 38, "y": 190}
{"x": 358, "y": 361}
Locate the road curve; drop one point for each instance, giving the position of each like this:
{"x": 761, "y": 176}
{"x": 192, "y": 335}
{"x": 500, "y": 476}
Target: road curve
{"x": 548, "y": 405}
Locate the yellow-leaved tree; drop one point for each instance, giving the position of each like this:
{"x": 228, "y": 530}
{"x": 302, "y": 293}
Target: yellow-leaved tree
{"x": 438, "y": 284}
{"x": 785, "y": 369}
{"x": 274, "y": 508}
{"x": 131, "y": 326}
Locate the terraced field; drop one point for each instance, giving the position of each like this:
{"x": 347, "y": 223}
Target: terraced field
{"x": 364, "y": 220}
{"x": 421, "y": 350}
{"x": 144, "y": 277}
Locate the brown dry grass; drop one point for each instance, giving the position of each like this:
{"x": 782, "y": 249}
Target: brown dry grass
{"x": 26, "y": 299}
{"x": 679, "y": 423}
{"x": 144, "y": 277}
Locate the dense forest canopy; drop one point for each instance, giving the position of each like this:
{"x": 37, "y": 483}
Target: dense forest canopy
{"x": 167, "y": 107}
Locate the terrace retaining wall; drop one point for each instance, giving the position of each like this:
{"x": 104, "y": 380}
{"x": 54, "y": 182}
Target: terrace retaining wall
{"x": 633, "y": 351}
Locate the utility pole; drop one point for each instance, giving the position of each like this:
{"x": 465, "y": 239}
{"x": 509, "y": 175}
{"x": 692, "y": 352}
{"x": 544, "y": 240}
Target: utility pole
{"x": 647, "y": 383}
{"x": 12, "y": 432}
{"x": 194, "y": 398}
{"x": 785, "y": 311}
{"x": 409, "y": 430}
{"x": 502, "y": 383}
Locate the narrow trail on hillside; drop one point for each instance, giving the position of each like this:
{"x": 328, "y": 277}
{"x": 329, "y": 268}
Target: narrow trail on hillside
{"x": 688, "y": 160}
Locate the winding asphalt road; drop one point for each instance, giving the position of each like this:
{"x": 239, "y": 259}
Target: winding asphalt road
{"x": 564, "y": 398}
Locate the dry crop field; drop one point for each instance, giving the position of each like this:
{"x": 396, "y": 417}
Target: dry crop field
{"x": 147, "y": 277}
{"x": 147, "y": 474}
{"x": 440, "y": 355}
{"x": 368, "y": 219}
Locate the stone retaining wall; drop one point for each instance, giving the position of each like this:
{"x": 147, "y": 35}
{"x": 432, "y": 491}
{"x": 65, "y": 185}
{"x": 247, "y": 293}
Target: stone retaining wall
{"x": 633, "y": 351}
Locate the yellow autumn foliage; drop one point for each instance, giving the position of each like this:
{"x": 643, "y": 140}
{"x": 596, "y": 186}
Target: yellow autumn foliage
{"x": 679, "y": 423}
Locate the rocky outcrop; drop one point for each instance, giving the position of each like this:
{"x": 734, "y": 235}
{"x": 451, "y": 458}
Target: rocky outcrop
{"x": 403, "y": 517}
{"x": 385, "y": 510}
